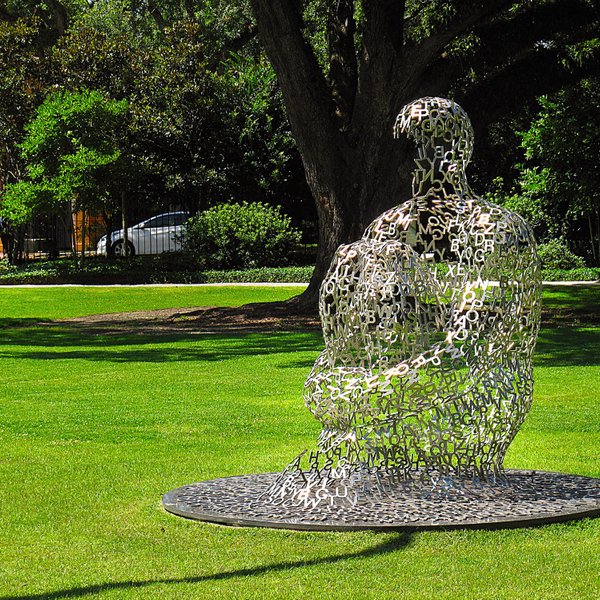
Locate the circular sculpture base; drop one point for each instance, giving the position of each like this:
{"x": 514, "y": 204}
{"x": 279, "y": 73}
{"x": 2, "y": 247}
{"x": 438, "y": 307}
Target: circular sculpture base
{"x": 529, "y": 498}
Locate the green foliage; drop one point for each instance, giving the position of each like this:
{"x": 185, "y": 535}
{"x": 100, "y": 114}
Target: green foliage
{"x": 22, "y": 83}
{"x": 528, "y": 200}
{"x": 184, "y": 119}
{"x": 241, "y": 236}
{"x": 86, "y": 57}
{"x": 562, "y": 147}
{"x": 126, "y": 20}
{"x": 260, "y": 275}
{"x": 72, "y": 154}
{"x": 19, "y": 200}
{"x": 555, "y": 254}
{"x": 556, "y": 189}
{"x": 579, "y": 274}
{"x": 5, "y": 267}
{"x": 426, "y": 18}
{"x": 266, "y": 142}
{"x": 207, "y": 121}
{"x": 161, "y": 268}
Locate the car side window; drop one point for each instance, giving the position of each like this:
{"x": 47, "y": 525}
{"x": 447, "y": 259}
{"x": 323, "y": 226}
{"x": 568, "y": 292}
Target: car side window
{"x": 178, "y": 219}
{"x": 161, "y": 221}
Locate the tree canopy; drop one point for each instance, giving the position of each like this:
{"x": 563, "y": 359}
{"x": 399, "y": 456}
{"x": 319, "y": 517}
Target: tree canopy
{"x": 205, "y": 122}
{"x": 221, "y": 93}
{"x": 73, "y": 149}
{"x": 558, "y": 179}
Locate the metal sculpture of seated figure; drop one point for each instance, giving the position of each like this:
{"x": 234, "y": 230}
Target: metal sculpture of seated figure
{"x": 430, "y": 323}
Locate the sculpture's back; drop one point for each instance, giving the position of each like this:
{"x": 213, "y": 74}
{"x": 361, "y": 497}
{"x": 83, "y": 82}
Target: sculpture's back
{"x": 429, "y": 322}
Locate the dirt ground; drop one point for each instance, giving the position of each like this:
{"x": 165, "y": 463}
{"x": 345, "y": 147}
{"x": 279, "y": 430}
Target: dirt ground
{"x": 263, "y": 317}
{"x": 250, "y": 317}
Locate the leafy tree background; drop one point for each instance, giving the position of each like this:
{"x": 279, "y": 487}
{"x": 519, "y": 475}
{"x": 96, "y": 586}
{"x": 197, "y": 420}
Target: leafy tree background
{"x": 76, "y": 156}
{"x": 240, "y": 100}
{"x": 205, "y": 122}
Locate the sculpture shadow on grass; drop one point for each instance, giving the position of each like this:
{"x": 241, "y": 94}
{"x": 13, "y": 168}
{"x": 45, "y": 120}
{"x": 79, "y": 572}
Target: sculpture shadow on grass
{"x": 392, "y": 543}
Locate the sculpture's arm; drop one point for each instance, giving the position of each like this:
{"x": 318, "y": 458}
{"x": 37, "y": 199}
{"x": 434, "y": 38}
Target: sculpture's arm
{"x": 343, "y": 397}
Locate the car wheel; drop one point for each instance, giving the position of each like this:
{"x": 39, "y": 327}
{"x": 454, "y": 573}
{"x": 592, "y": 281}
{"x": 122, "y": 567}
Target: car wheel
{"x": 118, "y": 248}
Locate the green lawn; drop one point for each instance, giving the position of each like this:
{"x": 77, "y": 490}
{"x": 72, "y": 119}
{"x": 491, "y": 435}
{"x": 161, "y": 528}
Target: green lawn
{"x": 93, "y": 429}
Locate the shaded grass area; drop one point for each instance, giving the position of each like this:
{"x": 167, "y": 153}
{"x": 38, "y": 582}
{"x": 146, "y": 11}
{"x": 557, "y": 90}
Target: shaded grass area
{"x": 29, "y": 305}
{"x": 94, "y": 428}
{"x": 578, "y": 304}
{"x": 575, "y": 297}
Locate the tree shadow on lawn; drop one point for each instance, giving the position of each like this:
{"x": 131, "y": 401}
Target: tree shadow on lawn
{"x": 70, "y": 342}
{"x": 556, "y": 347}
{"x": 568, "y": 347}
{"x": 397, "y": 542}
{"x": 11, "y": 323}
{"x": 577, "y": 298}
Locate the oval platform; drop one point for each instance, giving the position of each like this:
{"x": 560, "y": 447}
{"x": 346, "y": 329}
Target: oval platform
{"x": 531, "y": 498}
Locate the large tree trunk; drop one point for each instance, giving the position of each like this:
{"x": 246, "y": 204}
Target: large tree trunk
{"x": 361, "y": 190}
{"x": 351, "y": 164}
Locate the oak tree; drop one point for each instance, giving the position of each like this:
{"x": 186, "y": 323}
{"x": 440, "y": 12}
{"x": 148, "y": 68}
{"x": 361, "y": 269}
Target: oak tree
{"x": 375, "y": 56}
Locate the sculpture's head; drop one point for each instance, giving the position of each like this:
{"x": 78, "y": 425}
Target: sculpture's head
{"x": 441, "y": 129}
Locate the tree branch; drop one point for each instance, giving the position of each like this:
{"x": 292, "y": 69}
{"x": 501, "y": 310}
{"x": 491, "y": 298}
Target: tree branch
{"x": 6, "y": 16}
{"x": 155, "y": 13}
{"x": 508, "y": 39}
{"x": 538, "y": 72}
{"x": 469, "y": 15}
{"x": 343, "y": 68}
{"x": 384, "y": 24}
{"x": 303, "y": 85}
{"x": 60, "y": 16}
{"x": 249, "y": 32}
{"x": 188, "y": 6}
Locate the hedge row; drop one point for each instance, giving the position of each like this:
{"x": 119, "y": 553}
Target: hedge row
{"x": 141, "y": 270}
{"x": 582, "y": 274}
{"x": 172, "y": 269}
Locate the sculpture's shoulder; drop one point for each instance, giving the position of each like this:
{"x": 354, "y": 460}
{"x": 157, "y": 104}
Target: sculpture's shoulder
{"x": 494, "y": 243}
{"x": 498, "y": 224}
{"x": 391, "y": 224}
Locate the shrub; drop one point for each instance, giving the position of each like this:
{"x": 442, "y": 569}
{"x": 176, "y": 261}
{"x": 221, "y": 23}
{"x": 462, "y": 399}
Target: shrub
{"x": 555, "y": 254}
{"x": 247, "y": 235}
{"x": 5, "y": 267}
{"x": 585, "y": 274}
{"x": 260, "y": 275}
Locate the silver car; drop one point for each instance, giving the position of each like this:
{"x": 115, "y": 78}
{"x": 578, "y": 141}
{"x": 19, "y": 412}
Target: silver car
{"x": 162, "y": 233}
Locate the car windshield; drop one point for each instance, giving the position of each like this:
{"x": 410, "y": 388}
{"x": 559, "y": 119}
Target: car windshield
{"x": 179, "y": 218}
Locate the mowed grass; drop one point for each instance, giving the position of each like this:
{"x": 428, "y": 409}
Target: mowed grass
{"x": 94, "y": 429}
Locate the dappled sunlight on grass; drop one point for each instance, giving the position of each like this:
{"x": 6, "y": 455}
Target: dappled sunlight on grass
{"x": 67, "y": 342}
{"x": 568, "y": 346}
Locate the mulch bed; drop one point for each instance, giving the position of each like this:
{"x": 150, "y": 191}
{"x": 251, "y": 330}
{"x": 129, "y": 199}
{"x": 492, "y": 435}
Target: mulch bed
{"x": 259, "y": 317}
